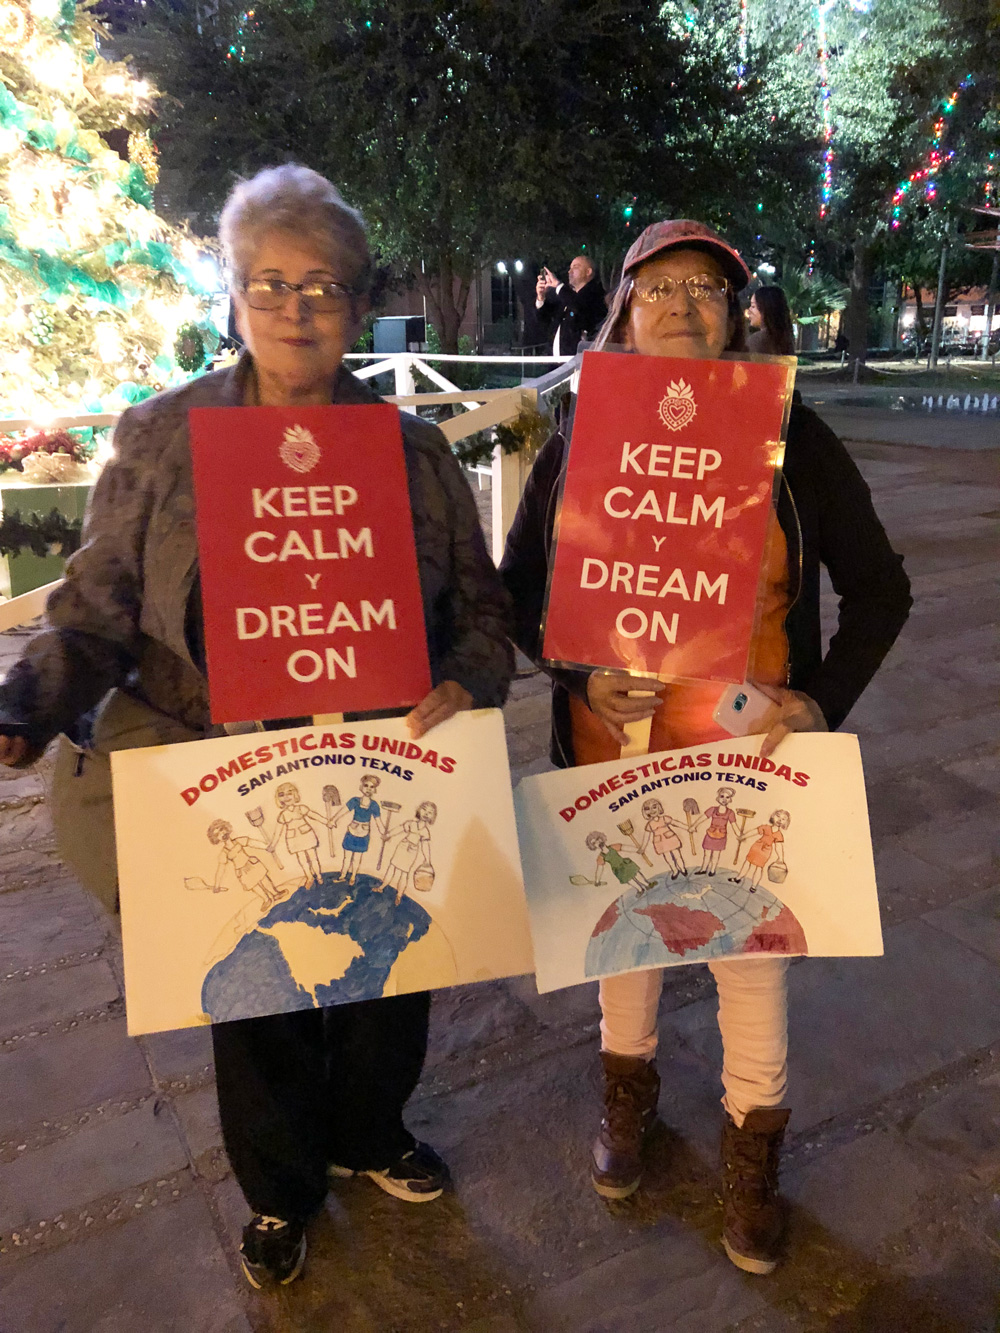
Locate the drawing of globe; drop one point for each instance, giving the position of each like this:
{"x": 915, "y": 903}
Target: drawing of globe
{"x": 689, "y": 920}
{"x": 316, "y": 948}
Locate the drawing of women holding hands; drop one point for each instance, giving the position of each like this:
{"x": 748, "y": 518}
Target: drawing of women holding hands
{"x": 413, "y": 849}
{"x": 770, "y": 843}
{"x": 720, "y": 816}
{"x": 295, "y": 824}
{"x": 624, "y": 870}
{"x": 357, "y": 838}
{"x": 251, "y": 871}
{"x": 664, "y": 832}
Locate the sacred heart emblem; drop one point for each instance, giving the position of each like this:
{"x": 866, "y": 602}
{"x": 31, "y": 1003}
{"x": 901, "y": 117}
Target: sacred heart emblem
{"x": 677, "y": 407}
{"x": 299, "y": 449}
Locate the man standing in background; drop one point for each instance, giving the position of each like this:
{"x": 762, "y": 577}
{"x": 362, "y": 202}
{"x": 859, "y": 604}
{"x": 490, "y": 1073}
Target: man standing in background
{"x": 570, "y": 311}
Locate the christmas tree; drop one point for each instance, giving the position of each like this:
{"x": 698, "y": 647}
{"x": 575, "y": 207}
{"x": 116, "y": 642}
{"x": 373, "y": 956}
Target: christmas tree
{"x": 102, "y": 302}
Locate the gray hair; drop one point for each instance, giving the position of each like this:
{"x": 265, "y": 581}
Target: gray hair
{"x": 304, "y": 204}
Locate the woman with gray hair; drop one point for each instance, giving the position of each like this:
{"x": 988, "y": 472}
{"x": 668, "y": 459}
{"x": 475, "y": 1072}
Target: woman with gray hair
{"x": 124, "y": 634}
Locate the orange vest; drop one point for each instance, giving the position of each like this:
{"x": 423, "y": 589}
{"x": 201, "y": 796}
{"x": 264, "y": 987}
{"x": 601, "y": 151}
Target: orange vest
{"x": 685, "y": 715}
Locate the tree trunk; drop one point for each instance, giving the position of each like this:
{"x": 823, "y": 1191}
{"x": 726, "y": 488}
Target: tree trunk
{"x": 939, "y": 301}
{"x": 448, "y": 297}
{"x": 920, "y": 319}
{"x": 857, "y": 306}
{"x": 991, "y": 302}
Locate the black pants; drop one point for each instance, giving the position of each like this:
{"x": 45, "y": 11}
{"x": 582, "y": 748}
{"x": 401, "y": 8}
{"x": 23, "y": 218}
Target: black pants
{"x": 298, "y": 1091}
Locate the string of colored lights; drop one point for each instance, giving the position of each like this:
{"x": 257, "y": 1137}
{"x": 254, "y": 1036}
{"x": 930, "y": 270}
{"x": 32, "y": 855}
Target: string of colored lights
{"x": 238, "y": 48}
{"x": 826, "y": 186}
{"x": 743, "y": 43}
{"x": 935, "y": 158}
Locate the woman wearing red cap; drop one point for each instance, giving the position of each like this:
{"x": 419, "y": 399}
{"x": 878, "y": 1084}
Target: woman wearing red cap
{"x": 679, "y": 297}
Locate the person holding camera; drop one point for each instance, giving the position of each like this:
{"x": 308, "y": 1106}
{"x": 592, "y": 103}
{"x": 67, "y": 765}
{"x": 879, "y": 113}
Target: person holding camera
{"x": 573, "y": 310}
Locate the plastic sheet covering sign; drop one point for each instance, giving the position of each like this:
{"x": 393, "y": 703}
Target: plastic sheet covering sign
{"x": 686, "y": 856}
{"x": 293, "y": 869}
{"x": 663, "y": 520}
{"x": 308, "y": 568}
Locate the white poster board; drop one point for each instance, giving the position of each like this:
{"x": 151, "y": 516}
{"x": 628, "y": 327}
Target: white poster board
{"x": 696, "y": 854}
{"x": 287, "y": 870}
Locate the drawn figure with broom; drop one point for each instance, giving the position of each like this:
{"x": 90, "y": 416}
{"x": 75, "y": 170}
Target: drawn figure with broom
{"x": 663, "y": 831}
{"x": 295, "y": 824}
{"x": 624, "y": 870}
{"x": 357, "y": 838}
{"x": 412, "y": 850}
{"x": 714, "y": 842}
{"x": 770, "y": 843}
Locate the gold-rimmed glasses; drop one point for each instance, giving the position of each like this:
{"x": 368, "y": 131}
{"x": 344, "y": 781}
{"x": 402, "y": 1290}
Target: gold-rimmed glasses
{"x": 701, "y": 287}
{"x": 272, "y": 293}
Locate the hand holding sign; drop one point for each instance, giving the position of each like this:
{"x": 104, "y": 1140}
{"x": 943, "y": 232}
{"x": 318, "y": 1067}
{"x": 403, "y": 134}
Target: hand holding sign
{"x": 619, "y": 698}
{"x": 442, "y": 703}
{"x": 795, "y": 712}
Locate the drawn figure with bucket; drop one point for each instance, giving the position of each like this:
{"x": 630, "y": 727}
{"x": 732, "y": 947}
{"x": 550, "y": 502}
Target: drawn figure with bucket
{"x": 719, "y": 817}
{"x": 663, "y": 831}
{"x": 410, "y": 863}
{"x": 770, "y": 843}
{"x": 295, "y": 824}
{"x": 357, "y": 838}
{"x": 624, "y": 870}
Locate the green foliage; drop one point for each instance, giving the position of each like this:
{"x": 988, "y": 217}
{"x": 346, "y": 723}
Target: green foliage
{"x": 41, "y": 534}
{"x": 525, "y": 434}
{"x": 481, "y": 129}
{"x": 811, "y": 297}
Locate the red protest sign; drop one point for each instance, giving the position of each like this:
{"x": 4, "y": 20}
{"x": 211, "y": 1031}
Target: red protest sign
{"x": 664, "y": 514}
{"x": 309, "y": 578}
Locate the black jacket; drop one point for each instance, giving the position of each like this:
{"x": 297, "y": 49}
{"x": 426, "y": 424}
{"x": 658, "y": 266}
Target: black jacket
{"x": 826, "y": 513}
{"x": 575, "y": 314}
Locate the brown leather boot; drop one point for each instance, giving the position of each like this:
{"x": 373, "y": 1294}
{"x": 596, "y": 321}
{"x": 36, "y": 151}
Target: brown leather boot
{"x": 753, "y": 1215}
{"x": 631, "y": 1091}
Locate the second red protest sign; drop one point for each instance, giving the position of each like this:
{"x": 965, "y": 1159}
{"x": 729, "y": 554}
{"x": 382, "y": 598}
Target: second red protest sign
{"x": 308, "y": 566}
{"x": 664, "y": 514}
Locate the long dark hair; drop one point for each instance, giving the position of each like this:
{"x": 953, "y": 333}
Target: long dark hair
{"x": 776, "y": 319}
{"x": 612, "y": 331}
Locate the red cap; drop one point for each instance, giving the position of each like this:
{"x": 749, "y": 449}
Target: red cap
{"x": 681, "y": 232}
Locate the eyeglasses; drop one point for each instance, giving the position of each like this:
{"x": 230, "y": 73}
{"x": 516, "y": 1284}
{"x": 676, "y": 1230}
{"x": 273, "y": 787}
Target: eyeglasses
{"x": 272, "y": 293}
{"x": 701, "y": 286}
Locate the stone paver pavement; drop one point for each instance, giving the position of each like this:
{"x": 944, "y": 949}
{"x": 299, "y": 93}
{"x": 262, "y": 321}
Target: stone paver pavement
{"x": 118, "y": 1210}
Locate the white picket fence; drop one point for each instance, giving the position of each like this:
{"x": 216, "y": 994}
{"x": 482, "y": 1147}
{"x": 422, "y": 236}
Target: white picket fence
{"x": 477, "y": 409}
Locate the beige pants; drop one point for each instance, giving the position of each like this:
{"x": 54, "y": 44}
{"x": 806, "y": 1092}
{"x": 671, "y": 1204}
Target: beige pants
{"x": 753, "y": 1021}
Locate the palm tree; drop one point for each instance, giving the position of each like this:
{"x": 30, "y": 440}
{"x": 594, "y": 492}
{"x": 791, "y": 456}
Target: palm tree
{"x": 812, "y": 297}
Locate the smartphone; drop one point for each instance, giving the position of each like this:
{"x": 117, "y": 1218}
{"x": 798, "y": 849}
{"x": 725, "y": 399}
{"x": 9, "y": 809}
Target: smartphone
{"x": 742, "y": 709}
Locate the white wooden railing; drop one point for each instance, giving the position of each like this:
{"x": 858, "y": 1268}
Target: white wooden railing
{"x": 483, "y": 408}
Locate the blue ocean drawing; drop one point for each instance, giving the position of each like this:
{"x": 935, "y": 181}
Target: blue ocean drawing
{"x": 255, "y": 977}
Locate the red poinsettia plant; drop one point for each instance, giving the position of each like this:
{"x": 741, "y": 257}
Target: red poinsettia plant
{"x": 15, "y": 448}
